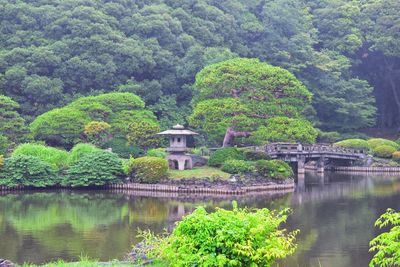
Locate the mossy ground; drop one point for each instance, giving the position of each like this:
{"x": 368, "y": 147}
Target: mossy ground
{"x": 198, "y": 172}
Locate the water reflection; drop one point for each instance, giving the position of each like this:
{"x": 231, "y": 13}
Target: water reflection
{"x": 335, "y": 213}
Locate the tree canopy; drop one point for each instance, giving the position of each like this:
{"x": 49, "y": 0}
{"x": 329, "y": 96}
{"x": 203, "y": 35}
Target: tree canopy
{"x": 345, "y": 52}
{"x": 237, "y": 96}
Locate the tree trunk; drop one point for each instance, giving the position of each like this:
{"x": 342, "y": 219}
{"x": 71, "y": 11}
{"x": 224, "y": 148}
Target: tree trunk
{"x": 230, "y": 134}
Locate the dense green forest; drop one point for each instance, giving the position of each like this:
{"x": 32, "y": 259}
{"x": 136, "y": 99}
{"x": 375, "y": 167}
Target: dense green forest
{"x": 347, "y": 53}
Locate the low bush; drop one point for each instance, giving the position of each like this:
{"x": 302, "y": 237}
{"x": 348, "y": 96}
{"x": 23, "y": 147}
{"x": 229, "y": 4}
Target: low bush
{"x": 396, "y": 156}
{"x": 376, "y": 142}
{"x": 275, "y": 169}
{"x": 95, "y": 168}
{"x": 148, "y": 169}
{"x": 57, "y": 158}
{"x": 157, "y": 152}
{"x": 254, "y": 155}
{"x": 28, "y": 171}
{"x": 218, "y": 158}
{"x": 80, "y": 150}
{"x": 354, "y": 144}
{"x": 238, "y": 237}
{"x": 235, "y": 166}
{"x": 384, "y": 151}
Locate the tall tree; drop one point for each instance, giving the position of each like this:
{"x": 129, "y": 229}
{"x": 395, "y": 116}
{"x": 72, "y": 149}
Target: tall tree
{"x": 235, "y": 97}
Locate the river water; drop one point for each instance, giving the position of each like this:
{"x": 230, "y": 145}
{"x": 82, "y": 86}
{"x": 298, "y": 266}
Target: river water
{"x": 335, "y": 214}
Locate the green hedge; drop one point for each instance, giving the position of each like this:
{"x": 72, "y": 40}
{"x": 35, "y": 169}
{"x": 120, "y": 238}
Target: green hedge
{"x": 157, "y": 152}
{"x": 218, "y": 158}
{"x": 376, "y": 142}
{"x": 235, "y": 166}
{"x": 79, "y": 150}
{"x": 28, "y": 171}
{"x": 354, "y": 144}
{"x": 275, "y": 169}
{"x": 57, "y": 158}
{"x": 148, "y": 169}
{"x": 120, "y": 146}
{"x": 384, "y": 151}
{"x": 254, "y": 155}
{"x": 96, "y": 168}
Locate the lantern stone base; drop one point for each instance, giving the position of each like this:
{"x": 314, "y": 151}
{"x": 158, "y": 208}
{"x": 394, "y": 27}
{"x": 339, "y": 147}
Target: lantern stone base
{"x": 180, "y": 162}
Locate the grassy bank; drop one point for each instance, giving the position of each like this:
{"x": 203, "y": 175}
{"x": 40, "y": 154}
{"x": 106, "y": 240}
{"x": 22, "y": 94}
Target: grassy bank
{"x": 198, "y": 172}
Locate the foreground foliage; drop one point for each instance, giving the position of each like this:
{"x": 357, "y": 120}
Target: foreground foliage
{"x": 94, "y": 169}
{"x": 387, "y": 244}
{"x": 384, "y": 151}
{"x": 28, "y": 171}
{"x": 240, "y": 237}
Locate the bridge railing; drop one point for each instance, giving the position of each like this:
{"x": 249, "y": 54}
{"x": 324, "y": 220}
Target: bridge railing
{"x": 275, "y": 148}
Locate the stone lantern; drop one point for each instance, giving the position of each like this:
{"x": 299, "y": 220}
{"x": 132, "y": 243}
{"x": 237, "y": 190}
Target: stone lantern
{"x": 177, "y": 157}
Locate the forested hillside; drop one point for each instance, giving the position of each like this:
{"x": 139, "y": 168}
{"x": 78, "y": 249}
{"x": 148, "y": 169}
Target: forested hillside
{"x": 347, "y": 53}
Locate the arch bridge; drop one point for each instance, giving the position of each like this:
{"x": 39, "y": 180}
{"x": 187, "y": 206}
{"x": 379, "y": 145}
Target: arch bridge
{"x": 300, "y": 154}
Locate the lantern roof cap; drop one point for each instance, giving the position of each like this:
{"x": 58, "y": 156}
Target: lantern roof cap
{"x": 178, "y": 130}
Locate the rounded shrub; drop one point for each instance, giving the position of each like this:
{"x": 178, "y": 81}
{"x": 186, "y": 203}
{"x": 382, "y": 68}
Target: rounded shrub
{"x": 376, "y": 142}
{"x": 238, "y": 237}
{"x": 235, "y": 166}
{"x": 354, "y": 143}
{"x": 396, "y": 156}
{"x": 254, "y": 155}
{"x": 57, "y": 158}
{"x": 79, "y": 150}
{"x": 148, "y": 169}
{"x": 94, "y": 169}
{"x": 384, "y": 151}
{"x": 28, "y": 171}
{"x": 157, "y": 152}
{"x": 218, "y": 158}
{"x": 275, "y": 169}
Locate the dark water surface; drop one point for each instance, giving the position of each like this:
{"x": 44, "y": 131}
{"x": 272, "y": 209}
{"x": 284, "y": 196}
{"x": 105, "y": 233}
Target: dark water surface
{"x": 335, "y": 213}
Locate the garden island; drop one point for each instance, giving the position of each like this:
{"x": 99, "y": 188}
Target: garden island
{"x": 199, "y": 133}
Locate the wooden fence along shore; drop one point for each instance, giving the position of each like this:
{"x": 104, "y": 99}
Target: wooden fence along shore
{"x": 367, "y": 169}
{"x": 178, "y": 189}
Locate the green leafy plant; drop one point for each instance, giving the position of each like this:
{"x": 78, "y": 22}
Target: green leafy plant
{"x": 254, "y": 155}
{"x": 221, "y": 155}
{"x": 120, "y": 146}
{"x": 376, "y": 142}
{"x": 157, "y": 152}
{"x": 275, "y": 169}
{"x": 235, "y": 166}
{"x": 94, "y": 169}
{"x": 284, "y": 129}
{"x": 238, "y": 237}
{"x": 387, "y": 244}
{"x": 79, "y": 150}
{"x": 57, "y": 158}
{"x": 97, "y": 132}
{"x": 384, "y": 151}
{"x": 354, "y": 144}
{"x": 148, "y": 169}
{"x": 143, "y": 134}
{"x": 28, "y": 171}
